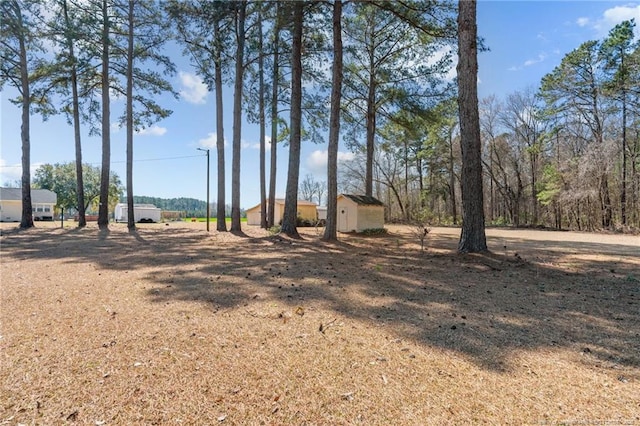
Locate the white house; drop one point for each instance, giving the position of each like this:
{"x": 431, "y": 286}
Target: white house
{"x": 42, "y": 201}
{"x": 359, "y": 212}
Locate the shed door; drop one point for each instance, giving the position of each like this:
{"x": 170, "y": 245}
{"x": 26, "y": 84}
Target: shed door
{"x": 343, "y": 223}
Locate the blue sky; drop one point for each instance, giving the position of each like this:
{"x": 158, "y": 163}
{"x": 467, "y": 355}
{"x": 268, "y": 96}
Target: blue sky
{"x": 527, "y": 40}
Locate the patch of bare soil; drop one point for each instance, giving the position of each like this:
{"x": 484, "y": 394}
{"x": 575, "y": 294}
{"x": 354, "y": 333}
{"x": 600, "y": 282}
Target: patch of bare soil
{"x": 174, "y": 325}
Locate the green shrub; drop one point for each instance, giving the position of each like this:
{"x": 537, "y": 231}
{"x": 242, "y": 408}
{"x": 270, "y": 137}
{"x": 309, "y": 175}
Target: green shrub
{"x": 374, "y": 231}
{"x": 274, "y": 230}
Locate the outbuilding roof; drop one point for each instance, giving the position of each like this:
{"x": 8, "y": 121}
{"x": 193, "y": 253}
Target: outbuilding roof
{"x": 364, "y": 200}
{"x": 43, "y": 196}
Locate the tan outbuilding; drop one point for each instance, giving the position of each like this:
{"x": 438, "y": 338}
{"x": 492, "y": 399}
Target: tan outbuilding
{"x": 359, "y": 212}
{"x": 306, "y": 211}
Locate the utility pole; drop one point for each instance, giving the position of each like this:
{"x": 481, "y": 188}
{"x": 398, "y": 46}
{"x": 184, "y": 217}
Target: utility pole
{"x": 208, "y": 206}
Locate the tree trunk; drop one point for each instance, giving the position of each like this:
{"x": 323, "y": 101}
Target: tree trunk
{"x": 371, "y": 124}
{"x": 330, "y": 230}
{"x": 274, "y": 122}
{"x": 261, "y": 119}
{"x": 623, "y": 190}
{"x": 407, "y": 198}
{"x": 420, "y": 181}
{"x": 492, "y": 201}
{"x": 452, "y": 181}
{"x": 237, "y": 118}
{"x": 534, "y": 182}
{"x": 27, "y": 208}
{"x": 82, "y": 220}
{"x": 103, "y": 209}
{"x": 607, "y": 214}
{"x": 635, "y": 209}
{"x": 221, "y": 223}
{"x": 131, "y": 220}
{"x": 472, "y": 238}
{"x": 291, "y": 200}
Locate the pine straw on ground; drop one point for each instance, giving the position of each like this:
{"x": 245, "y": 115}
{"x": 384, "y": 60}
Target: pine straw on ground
{"x": 174, "y": 325}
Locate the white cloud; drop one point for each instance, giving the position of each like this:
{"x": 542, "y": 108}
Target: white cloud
{"x": 317, "y": 161}
{"x": 9, "y": 173}
{"x": 210, "y": 141}
{"x": 541, "y": 36}
{"x": 257, "y": 144}
{"x": 618, "y": 14}
{"x": 34, "y": 167}
{"x": 610, "y": 18}
{"x": 583, "y": 21}
{"x": 439, "y": 55}
{"x": 541, "y": 57}
{"x": 193, "y": 88}
{"x": 152, "y": 131}
{"x": 529, "y": 62}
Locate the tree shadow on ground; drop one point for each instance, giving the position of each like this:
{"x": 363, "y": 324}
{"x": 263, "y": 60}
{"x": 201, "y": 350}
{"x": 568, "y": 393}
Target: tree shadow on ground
{"x": 483, "y": 306}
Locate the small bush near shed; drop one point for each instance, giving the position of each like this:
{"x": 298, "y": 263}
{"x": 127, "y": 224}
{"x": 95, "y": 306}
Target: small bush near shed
{"x": 305, "y": 223}
{"x": 374, "y": 231}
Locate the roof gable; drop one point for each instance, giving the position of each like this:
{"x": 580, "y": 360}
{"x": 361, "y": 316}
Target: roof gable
{"x": 37, "y": 195}
{"x": 363, "y": 200}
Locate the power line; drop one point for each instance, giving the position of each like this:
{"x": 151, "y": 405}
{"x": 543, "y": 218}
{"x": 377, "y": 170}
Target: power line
{"x": 120, "y": 161}
{"x": 156, "y": 159}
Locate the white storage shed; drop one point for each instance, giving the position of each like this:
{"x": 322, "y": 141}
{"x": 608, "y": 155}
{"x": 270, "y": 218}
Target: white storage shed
{"x": 357, "y": 213}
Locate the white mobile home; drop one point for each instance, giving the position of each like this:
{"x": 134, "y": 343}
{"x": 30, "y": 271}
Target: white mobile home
{"x": 43, "y": 202}
{"x": 359, "y": 212}
{"x": 141, "y": 213}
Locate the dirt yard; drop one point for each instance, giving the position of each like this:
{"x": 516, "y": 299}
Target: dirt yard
{"x": 174, "y": 325}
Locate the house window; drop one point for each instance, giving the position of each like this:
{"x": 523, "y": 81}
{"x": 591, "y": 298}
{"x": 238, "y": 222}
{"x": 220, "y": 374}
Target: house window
{"x": 47, "y": 209}
{"x": 39, "y": 209}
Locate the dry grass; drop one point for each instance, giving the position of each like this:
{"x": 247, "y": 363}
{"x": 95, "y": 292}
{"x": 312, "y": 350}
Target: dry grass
{"x": 172, "y": 325}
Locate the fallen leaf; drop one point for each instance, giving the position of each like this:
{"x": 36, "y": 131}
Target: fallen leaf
{"x": 347, "y": 396}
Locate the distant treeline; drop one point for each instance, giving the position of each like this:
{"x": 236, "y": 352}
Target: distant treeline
{"x": 191, "y": 206}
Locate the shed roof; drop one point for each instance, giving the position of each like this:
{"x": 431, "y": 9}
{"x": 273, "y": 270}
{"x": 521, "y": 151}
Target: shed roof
{"x": 364, "y": 200}
{"x": 43, "y": 196}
